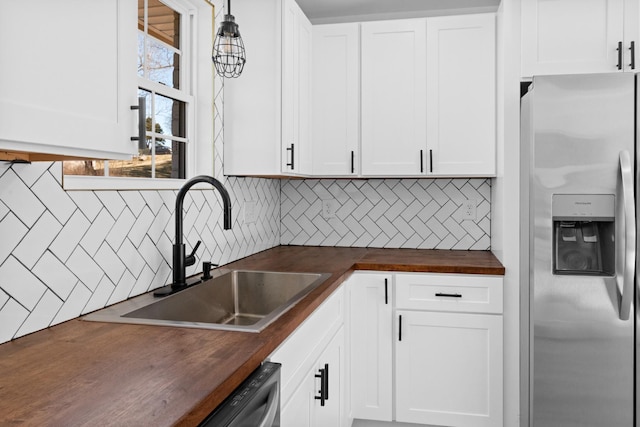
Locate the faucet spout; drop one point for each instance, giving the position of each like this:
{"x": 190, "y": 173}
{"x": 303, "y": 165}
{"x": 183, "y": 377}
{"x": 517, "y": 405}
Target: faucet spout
{"x": 179, "y": 257}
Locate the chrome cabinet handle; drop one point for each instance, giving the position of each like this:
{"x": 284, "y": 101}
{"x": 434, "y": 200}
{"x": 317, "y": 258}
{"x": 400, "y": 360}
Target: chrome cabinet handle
{"x": 142, "y": 129}
{"x": 632, "y": 48}
{"x": 629, "y": 235}
{"x": 273, "y": 404}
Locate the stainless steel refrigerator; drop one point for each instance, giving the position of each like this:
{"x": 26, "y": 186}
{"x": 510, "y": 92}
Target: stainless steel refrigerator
{"x": 579, "y": 251}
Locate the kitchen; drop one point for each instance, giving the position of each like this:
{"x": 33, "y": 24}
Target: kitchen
{"x": 60, "y": 246}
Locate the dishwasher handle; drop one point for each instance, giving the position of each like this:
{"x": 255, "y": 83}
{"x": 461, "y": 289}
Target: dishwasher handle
{"x": 273, "y": 405}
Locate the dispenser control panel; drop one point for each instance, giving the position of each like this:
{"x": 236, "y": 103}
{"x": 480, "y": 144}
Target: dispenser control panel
{"x": 598, "y": 207}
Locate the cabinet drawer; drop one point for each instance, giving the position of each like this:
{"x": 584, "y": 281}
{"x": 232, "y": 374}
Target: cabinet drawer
{"x": 471, "y": 293}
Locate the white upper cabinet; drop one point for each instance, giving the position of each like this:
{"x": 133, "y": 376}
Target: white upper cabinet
{"x": 461, "y": 95}
{"x": 335, "y": 99}
{"x": 429, "y": 97}
{"x": 296, "y": 89}
{"x": 578, "y": 36}
{"x": 396, "y": 98}
{"x": 267, "y": 110}
{"x": 68, "y": 78}
{"x": 252, "y": 102}
{"x": 393, "y": 97}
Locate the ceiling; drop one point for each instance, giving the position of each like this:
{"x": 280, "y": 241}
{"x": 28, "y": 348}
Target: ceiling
{"x": 329, "y": 11}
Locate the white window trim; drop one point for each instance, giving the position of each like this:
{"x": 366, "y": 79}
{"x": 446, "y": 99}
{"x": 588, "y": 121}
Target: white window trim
{"x": 200, "y": 153}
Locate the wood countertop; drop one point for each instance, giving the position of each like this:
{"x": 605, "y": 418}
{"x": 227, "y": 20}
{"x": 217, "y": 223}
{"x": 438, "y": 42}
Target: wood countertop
{"x": 83, "y": 373}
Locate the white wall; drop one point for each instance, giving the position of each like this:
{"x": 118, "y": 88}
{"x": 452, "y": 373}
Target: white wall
{"x": 505, "y": 196}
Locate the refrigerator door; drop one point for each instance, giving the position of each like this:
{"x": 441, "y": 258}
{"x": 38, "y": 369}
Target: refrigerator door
{"x": 582, "y": 346}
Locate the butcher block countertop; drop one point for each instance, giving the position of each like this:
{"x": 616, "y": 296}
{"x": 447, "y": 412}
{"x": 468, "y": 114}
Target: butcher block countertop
{"x": 82, "y": 373}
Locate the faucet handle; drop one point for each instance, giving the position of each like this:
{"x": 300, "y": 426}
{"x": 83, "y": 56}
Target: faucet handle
{"x": 191, "y": 259}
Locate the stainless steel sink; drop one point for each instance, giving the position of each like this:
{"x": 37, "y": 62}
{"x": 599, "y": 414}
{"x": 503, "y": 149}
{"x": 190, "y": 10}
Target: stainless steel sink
{"x": 240, "y": 300}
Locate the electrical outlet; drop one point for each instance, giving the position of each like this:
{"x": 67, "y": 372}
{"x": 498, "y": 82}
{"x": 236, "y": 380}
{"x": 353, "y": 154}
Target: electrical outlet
{"x": 469, "y": 209}
{"x": 250, "y": 213}
{"x": 329, "y": 208}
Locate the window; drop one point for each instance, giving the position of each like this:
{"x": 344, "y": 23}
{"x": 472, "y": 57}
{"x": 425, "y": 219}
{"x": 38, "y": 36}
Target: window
{"x": 167, "y": 55}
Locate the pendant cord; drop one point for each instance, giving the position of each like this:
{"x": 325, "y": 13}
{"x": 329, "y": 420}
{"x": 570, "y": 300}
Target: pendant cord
{"x": 228, "y": 7}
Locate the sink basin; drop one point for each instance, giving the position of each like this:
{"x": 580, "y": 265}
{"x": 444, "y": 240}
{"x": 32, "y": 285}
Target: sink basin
{"x": 240, "y": 300}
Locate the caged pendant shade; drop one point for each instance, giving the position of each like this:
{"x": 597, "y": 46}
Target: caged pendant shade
{"x": 228, "y": 49}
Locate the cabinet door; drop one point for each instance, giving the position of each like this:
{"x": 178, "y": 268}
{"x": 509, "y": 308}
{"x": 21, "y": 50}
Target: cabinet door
{"x": 68, "y": 77}
{"x": 394, "y": 97}
{"x": 252, "y": 102}
{"x": 296, "y": 89}
{"x": 571, "y": 36}
{"x": 297, "y": 411}
{"x": 461, "y": 101}
{"x": 449, "y": 369}
{"x": 335, "y": 110}
{"x": 371, "y": 341}
{"x": 631, "y": 35}
{"x": 333, "y": 411}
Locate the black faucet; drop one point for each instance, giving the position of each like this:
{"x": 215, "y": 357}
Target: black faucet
{"x": 180, "y": 261}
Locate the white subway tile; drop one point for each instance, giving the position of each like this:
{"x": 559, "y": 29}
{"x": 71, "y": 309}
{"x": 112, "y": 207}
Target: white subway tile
{"x": 12, "y": 315}
{"x": 19, "y": 198}
{"x": 55, "y": 275}
{"x": 112, "y": 201}
{"x": 67, "y": 240}
{"x": 37, "y": 240}
{"x": 109, "y": 262}
{"x": 97, "y": 232}
{"x": 85, "y": 268}
{"x": 50, "y": 192}
{"x": 12, "y": 231}
{"x": 17, "y": 281}
{"x": 42, "y": 315}
{"x": 121, "y": 228}
{"x": 87, "y": 202}
{"x": 74, "y": 304}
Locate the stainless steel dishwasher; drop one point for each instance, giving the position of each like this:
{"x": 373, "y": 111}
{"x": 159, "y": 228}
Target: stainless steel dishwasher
{"x": 255, "y": 403}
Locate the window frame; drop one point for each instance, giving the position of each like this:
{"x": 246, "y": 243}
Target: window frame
{"x": 197, "y": 25}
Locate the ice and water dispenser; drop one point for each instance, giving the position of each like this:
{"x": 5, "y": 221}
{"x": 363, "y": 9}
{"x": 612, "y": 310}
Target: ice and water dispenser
{"x": 584, "y": 234}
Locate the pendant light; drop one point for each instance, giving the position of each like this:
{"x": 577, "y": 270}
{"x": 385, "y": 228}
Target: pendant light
{"x": 228, "y": 49}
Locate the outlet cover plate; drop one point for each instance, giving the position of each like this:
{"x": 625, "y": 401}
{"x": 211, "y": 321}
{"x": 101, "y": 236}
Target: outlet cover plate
{"x": 329, "y": 208}
{"x": 469, "y": 208}
{"x": 250, "y": 213}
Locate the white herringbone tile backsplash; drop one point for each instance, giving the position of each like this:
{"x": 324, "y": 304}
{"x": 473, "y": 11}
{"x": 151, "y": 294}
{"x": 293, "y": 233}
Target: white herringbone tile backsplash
{"x": 63, "y": 254}
{"x": 387, "y": 213}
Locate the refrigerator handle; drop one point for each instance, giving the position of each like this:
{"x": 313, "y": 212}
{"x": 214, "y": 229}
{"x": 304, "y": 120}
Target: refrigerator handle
{"x": 629, "y": 260}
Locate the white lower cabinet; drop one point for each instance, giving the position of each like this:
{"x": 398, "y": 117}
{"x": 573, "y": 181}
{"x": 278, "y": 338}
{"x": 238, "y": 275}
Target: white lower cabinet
{"x": 314, "y": 370}
{"x": 426, "y": 348}
{"x": 371, "y": 344}
{"x": 449, "y": 368}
